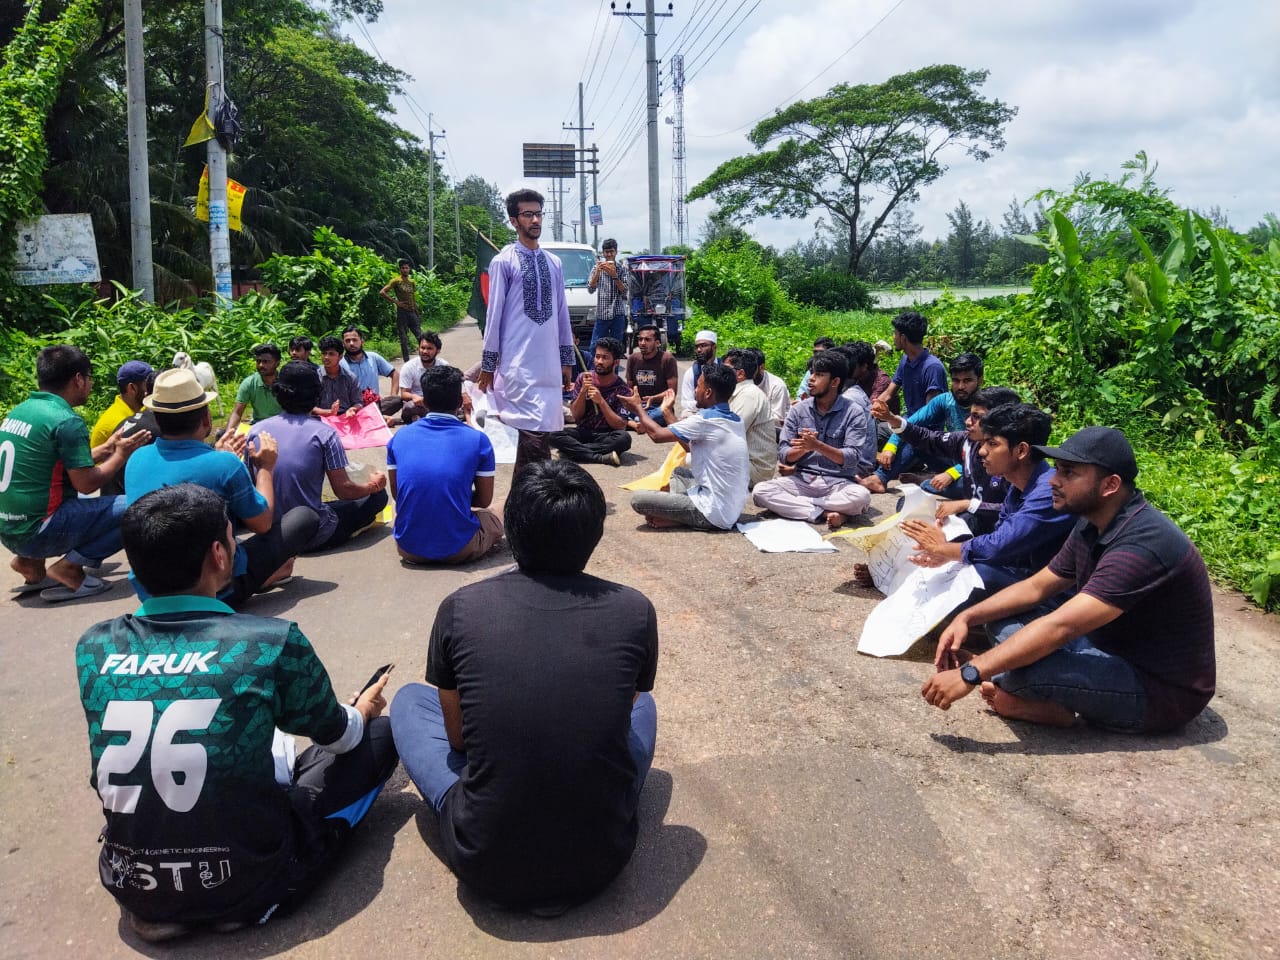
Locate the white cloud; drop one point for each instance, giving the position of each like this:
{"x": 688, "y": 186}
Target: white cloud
{"x": 1195, "y": 83}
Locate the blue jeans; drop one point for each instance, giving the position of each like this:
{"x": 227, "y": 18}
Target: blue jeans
{"x": 906, "y": 458}
{"x": 85, "y": 530}
{"x": 615, "y": 327}
{"x": 1103, "y": 688}
{"x": 434, "y": 766}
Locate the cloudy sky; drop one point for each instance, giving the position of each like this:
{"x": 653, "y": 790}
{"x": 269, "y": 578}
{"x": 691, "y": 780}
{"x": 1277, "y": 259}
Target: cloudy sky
{"x": 1194, "y": 83}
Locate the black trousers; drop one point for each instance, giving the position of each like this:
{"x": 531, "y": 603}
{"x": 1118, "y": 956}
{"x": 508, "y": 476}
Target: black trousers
{"x": 330, "y": 795}
{"x": 407, "y": 320}
{"x": 268, "y": 551}
{"x": 587, "y": 446}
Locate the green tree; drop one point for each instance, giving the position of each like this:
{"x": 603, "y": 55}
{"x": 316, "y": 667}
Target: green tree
{"x": 35, "y": 58}
{"x": 859, "y": 151}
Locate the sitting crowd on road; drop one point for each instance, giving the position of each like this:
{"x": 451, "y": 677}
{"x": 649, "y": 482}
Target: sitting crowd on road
{"x": 533, "y": 735}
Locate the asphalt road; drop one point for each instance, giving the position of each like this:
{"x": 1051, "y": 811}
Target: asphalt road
{"x": 804, "y": 800}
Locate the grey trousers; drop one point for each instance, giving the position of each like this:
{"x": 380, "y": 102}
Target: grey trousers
{"x": 675, "y": 505}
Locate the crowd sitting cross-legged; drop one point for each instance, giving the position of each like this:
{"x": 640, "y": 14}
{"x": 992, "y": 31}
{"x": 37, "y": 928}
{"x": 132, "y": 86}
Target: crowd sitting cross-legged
{"x": 532, "y": 737}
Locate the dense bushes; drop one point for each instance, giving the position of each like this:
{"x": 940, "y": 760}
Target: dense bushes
{"x": 830, "y": 290}
{"x": 788, "y": 348}
{"x": 728, "y": 275}
{"x": 129, "y": 328}
{"x": 337, "y": 284}
{"x": 1154, "y": 322}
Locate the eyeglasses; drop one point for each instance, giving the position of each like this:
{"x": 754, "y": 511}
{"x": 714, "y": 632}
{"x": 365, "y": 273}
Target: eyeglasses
{"x": 530, "y": 215}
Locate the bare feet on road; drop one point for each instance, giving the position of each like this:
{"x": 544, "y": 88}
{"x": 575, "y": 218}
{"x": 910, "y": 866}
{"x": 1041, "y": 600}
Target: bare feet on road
{"x": 1014, "y": 707}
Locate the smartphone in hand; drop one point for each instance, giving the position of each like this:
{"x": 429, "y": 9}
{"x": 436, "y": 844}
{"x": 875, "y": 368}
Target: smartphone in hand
{"x": 377, "y": 675}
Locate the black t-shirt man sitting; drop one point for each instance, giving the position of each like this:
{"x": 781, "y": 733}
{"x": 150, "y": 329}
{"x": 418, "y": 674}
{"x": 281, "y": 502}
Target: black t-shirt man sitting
{"x": 536, "y": 733}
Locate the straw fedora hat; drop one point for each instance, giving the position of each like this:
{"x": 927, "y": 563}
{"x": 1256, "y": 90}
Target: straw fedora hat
{"x": 177, "y": 391}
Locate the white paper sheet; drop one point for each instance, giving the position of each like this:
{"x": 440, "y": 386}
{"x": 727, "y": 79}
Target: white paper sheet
{"x": 504, "y": 438}
{"x": 785, "y": 536}
{"x": 888, "y": 549}
{"x": 925, "y": 597}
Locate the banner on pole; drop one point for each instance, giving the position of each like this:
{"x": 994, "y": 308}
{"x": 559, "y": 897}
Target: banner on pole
{"x": 235, "y": 201}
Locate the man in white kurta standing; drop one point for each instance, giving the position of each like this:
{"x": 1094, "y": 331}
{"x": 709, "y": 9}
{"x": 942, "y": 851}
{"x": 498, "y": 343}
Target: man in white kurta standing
{"x": 528, "y": 345}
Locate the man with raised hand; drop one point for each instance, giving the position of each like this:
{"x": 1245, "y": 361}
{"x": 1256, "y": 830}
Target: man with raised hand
{"x": 534, "y": 738}
{"x": 1132, "y": 650}
{"x": 653, "y": 373}
{"x": 608, "y": 281}
{"x": 944, "y": 411}
{"x": 207, "y": 823}
{"x": 709, "y": 493}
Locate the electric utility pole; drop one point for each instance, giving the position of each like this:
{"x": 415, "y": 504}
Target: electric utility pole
{"x": 651, "y": 65}
{"x": 432, "y": 136}
{"x": 582, "y": 161}
{"x": 595, "y": 192}
{"x": 219, "y": 238}
{"x": 139, "y": 167}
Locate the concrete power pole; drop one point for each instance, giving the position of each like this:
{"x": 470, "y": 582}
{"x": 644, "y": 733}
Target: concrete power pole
{"x": 219, "y": 238}
{"x": 139, "y": 166}
{"x": 651, "y": 70}
{"x": 651, "y": 65}
{"x": 595, "y": 192}
{"x": 431, "y": 193}
{"x": 582, "y": 161}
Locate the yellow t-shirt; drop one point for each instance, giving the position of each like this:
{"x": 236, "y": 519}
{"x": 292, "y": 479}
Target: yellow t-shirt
{"x": 112, "y": 417}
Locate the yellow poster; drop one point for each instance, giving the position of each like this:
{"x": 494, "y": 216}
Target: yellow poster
{"x": 235, "y": 201}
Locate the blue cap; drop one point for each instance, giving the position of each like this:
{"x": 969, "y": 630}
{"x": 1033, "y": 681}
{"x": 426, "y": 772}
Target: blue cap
{"x": 135, "y": 371}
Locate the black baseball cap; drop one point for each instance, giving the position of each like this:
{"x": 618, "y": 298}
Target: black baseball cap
{"x": 1104, "y": 447}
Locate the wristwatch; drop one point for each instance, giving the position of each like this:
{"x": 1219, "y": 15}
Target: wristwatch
{"x": 970, "y": 675}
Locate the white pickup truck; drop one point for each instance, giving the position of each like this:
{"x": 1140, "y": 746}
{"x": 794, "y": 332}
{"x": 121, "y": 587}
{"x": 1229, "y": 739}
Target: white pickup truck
{"x": 578, "y": 260}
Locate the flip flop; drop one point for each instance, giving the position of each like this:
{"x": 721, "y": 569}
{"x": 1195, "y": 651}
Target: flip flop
{"x": 91, "y": 587}
{"x": 36, "y": 587}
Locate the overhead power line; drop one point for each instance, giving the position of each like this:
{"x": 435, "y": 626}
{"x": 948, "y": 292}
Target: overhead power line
{"x": 807, "y": 83}
{"x": 699, "y": 65}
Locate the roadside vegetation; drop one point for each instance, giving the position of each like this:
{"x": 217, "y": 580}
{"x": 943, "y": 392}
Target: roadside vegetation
{"x": 1142, "y": 315}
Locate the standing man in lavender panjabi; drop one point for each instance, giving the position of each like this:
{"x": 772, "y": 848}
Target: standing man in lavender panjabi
{"x": 528, "y": 345}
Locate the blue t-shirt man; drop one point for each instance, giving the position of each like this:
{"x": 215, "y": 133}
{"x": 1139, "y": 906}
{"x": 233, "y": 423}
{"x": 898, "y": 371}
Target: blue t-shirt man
{"x": 435, "y": 462}
{"x": 367, "y": 369}
{"x": 167, "y": 463}
{"x": 918, "y": 378}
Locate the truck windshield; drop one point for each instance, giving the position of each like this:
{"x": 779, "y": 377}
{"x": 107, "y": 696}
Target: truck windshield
{"x": 577, "y": 266}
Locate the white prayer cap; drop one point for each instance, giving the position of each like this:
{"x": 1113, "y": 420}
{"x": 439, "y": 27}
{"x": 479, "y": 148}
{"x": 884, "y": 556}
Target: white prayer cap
{"x": 708, "y": 335}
